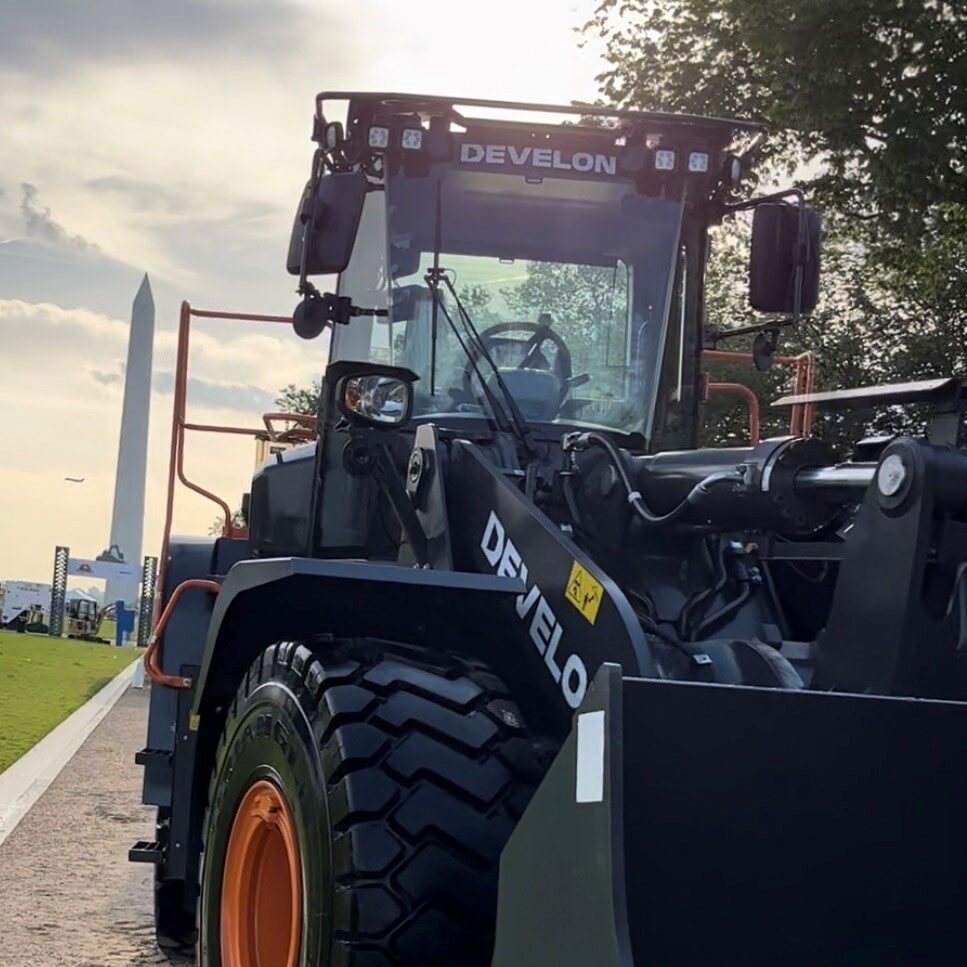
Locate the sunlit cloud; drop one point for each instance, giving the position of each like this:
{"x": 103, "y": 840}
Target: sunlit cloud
{"x": 173, "y": 138}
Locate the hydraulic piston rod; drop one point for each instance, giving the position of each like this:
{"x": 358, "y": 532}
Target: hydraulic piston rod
{"x": 837, "y": 482}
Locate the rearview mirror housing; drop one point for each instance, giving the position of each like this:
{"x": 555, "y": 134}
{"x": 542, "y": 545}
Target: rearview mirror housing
{"x": 326, "y": 223}
{"x": 777, "y": 252}
{"x": 406, "y": 299}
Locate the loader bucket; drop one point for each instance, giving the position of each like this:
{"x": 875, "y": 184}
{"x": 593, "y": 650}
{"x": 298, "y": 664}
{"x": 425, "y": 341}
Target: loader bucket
{"x": 687, "y": 824}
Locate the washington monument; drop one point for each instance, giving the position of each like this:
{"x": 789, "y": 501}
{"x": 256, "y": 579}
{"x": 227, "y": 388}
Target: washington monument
{"x": 127, "y": 518}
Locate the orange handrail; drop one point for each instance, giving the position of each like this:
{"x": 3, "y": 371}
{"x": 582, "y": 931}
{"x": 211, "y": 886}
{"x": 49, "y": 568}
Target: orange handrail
{"x": 803, "y": 380}
{"x": 302, "y": 420}
{"x": 152, "y": 657}
{"x": 751, "y": 402}
{"x": 176, "y": 472}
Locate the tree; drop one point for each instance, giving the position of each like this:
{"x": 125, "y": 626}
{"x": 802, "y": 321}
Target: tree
{"x": 238, "y": 520}
{"x": 865, "y": 99}
{"x": 850, "y": 333}
{"x": 300, "y": 399}
{"x": 874, "y": 90}
{"x": 477, "y": 299}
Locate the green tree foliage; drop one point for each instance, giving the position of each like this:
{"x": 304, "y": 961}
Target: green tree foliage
{"x": 875, "y": 90}
{"x": 928, "y": 319}
{"x": 477, "y": 301}
{"x": 300, "y": 399}
{"x": 582, "y": 298}
{"x": 866, "y": 101}
{"x": 850, "y": 334}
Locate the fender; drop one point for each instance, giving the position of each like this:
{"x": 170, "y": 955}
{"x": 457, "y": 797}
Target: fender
{"x": 273, "y": 599}
{"x": 267, "y": 600}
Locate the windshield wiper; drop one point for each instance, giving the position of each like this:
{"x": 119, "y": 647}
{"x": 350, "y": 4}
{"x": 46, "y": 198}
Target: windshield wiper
{"x": 509, "y": 414}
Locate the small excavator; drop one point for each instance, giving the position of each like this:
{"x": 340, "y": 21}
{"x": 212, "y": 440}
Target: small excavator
{"x": 84, "y": 619}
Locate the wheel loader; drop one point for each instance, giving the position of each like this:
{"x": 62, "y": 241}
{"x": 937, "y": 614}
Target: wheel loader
{"x": 503, "y": 667}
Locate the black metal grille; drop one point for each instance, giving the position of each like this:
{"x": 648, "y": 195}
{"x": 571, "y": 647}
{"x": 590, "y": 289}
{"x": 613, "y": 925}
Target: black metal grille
{"x": 149, "y": 586}
{"x": 58, "y": 591}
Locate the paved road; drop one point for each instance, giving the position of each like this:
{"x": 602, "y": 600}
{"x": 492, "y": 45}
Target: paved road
{"x": 68, "y": 896}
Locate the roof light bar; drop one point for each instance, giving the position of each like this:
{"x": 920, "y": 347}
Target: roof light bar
{"x": 698, "y": 161}
{"x": 378, "y": 136}
{"x": 412, "y": 139}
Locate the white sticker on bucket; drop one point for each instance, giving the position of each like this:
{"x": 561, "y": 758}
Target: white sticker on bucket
{"x": 589, "y": 786}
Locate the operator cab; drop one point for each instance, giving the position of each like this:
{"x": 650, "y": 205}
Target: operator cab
{"x": 525, "y": 269}
{"x": 565, "y": 280}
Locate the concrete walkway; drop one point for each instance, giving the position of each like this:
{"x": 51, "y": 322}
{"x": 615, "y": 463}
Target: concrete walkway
{"x": 24, "y": 782}
{"x": 68, "y": 895}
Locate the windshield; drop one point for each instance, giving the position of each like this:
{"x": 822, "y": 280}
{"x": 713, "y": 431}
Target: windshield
{"x": 566, "y": 280}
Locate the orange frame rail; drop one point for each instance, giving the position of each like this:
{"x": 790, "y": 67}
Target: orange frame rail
{"x": 803, "y": 381}
{"x": 304, "y": 425}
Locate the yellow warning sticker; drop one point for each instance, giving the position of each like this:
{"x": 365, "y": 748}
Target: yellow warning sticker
{"x": 194, "y": 723}
{"x": 584, "y": 592}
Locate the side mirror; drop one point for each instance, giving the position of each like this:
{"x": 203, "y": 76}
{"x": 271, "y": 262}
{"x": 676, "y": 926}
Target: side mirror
{"x": 326, "y": 223}
{"x": 374, "y": 399}
{"x": 779, "y": 250}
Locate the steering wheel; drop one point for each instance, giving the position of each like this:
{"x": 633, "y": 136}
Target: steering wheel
{"x": 526, "y": 353}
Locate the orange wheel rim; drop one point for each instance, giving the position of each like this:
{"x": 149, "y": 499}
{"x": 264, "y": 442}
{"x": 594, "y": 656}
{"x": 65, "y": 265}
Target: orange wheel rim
{"x": 261, "y": 909}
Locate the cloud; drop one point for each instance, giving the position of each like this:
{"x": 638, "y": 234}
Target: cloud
{"x": 184, "y": 203}
{"x": 106, "y": 378}
{"x": 143, "y": 196}
{"x": 39, "y": 223}
{"x": 57, "y": 37}
{"x": 231, "y": 369}
{"x": 214, "y": 395}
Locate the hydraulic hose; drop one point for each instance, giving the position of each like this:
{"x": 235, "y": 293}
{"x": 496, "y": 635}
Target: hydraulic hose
{"x": 644, "y": 512}
{"x": 730, "y": 608}
{"x": 709, "y": 593}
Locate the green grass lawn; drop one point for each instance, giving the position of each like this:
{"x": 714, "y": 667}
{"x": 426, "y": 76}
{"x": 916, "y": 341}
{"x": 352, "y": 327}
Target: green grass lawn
{"x": 42, "y": 680}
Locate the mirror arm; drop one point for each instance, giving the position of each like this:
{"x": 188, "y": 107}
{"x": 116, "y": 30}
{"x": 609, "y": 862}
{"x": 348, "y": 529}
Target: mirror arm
{"x": 308, "y": 217}
{"x": 713, "y": 336}
{"x": 339, "y": 309}
{"x": 319, "y": 309}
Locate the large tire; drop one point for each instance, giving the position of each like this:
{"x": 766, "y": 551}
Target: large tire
{"x": 402, "y": 777}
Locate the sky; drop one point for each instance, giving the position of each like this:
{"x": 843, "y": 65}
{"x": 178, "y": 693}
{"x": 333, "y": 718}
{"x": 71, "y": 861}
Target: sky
{"x": 172, "y": 138}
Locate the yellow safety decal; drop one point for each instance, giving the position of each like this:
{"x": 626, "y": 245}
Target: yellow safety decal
{"x": 194, "y": 721}
{"x": 584, "y": 592}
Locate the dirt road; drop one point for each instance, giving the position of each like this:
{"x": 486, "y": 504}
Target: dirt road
{"x": 68, "y": 896}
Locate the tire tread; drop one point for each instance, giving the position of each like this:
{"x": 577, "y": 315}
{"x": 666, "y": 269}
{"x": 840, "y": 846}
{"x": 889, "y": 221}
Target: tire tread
{"x": 428, "y": 767}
